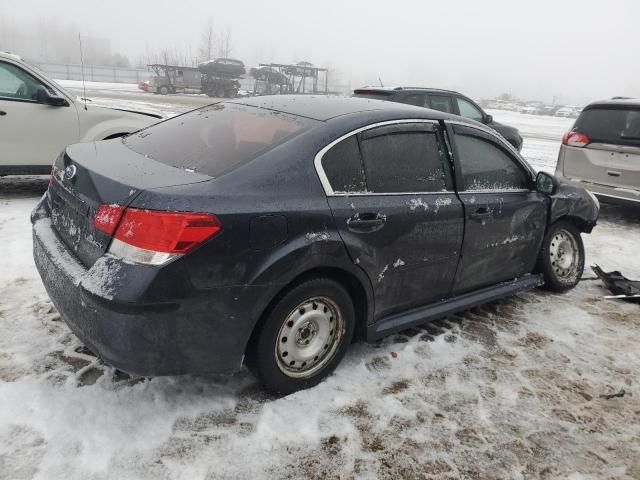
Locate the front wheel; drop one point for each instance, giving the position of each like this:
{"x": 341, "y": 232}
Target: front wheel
{"x": 561, "y": 258}
{"x": 304, "y": 336}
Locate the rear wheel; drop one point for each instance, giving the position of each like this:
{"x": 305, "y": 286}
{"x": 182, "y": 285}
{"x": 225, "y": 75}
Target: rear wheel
{"x": 304, "y": 336}
{"x": 561, "y": 258}
{"x": 220, "y": 93}
{"x": 163, "y": 90}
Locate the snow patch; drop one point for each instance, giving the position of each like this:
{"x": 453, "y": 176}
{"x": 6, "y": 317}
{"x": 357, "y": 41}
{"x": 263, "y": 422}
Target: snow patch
{"x": 442, "y": 202}
{"x": 417, "y": 202}
{"x": 507, "y": 241}
{"x": 102, "y": 278}
{"x": 381, "y": 274}
{"x": 317, "y": 236}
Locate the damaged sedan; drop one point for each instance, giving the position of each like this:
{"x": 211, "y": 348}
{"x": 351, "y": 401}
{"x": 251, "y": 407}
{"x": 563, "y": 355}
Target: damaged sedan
{"x": 273, "y": 232}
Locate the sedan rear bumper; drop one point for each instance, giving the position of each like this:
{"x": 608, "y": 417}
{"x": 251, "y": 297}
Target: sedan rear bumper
{"x": 205, "y": 332}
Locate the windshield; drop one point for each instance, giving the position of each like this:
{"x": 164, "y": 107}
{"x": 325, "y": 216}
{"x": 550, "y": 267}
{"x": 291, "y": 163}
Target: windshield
{"x": 618, "y": 126}
{"x": 218, "y": 138}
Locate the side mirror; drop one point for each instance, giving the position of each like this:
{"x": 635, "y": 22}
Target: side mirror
{"x": 547, "y": 184}
{"x": 488, "y": 118}
{"x": 43, "y": 96}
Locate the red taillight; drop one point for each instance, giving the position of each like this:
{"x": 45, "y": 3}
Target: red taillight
{"x": 575, "y": 139}
{"x": 107, "y": 218}
{"x": 166, "y": 232}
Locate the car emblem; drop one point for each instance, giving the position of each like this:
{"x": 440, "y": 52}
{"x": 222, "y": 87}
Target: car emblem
{"x": 70, "y": 172}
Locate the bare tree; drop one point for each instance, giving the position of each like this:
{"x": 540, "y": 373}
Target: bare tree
{"x": 208, "y": 41}
{"x": 225, "y": 44}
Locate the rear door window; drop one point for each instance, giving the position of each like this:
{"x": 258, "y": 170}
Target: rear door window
{"x": 441, "y": 103}
{"x": 616, "y": 126}
{"x": 218, "y": 138}
{"x": 487, "y": 166}
{"x": 417, "y": 99}
{"x": 343, "y": 167}
{"x": 403, "y": 159}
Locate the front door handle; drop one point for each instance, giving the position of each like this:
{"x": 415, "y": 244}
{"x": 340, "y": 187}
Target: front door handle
{"x": 366, "y": 222}
{"x": 2, "y": 113}
{"x": 480, "y": 214}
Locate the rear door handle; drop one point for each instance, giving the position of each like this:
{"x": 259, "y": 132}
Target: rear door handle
{"x": 2, "y": 113}
{"x": 366, "y": 222}
{"x": 613, "y": 173}
{"x": 480, "y": 213}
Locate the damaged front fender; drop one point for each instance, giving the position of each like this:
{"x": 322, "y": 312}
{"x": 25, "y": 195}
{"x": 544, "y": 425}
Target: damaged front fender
{"x": 575, "y": 203}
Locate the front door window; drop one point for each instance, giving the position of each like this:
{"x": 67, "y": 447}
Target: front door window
{"x": 17, "y": 84}
{"x": 469, "y": 110}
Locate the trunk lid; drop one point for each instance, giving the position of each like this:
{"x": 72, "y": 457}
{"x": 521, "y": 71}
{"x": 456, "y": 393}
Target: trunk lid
{"x": 91, "y": 174}
{"x": 605, "y": 164}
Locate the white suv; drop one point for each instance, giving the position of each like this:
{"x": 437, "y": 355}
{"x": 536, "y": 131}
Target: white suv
{"x": 38, "y": 118}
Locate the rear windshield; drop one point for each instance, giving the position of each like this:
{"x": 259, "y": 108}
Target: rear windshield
{"x": 609, "y": 125}
{"x": 218, "y": 138}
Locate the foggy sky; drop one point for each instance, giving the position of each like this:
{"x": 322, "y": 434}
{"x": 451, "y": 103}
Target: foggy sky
{"x": 575, "y": 50}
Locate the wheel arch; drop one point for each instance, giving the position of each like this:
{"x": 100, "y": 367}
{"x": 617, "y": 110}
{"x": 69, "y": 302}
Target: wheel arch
{"x": 115, "y": 135}
{"x": 361, "y": 296}
{"x": 580, "y": 223}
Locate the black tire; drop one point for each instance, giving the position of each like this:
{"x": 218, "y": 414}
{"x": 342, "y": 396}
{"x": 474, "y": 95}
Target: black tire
{"x": 163, "y": 90}
{"x": 220, "y": 93}
{"x": 563, "y": 242}
{"x": 264, "y": 355}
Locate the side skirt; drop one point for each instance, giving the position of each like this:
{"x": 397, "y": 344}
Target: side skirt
{"x": 401, "y": 321}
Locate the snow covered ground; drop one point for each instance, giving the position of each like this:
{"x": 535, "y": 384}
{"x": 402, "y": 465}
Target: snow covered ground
{"x": 514, "y": 389}
{"x": 112, "y": 87}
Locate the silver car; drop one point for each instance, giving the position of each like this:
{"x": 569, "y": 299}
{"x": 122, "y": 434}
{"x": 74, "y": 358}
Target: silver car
{"x": 602, "y": 151}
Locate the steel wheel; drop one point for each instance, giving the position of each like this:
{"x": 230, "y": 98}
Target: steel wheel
{"x": 309, "y": 337}
{"x": 564, "y": 255}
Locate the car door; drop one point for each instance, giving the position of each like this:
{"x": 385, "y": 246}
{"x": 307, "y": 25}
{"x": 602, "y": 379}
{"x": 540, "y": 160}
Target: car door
{"x": 31, "y": 133}
{"x": 505, "y": 217}
{"x": 391, "y": 193}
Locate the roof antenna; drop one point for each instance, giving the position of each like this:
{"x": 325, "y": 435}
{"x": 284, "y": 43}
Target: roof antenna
{"x": 84, "y": 88}
{"x": 380, "y": 80}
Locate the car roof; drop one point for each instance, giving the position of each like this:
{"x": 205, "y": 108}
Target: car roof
{"x": 11, "y": 56}
{"x": 615, "y": 102}
{"x": 326, "y": 107}
{"x": 390, "y": 90}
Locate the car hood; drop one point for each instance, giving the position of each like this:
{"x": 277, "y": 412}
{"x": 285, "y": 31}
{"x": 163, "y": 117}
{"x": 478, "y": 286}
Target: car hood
{"x": 503, "y": 128}
{"x": 106, "y": 108}
{"x": 138, "y": 112}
